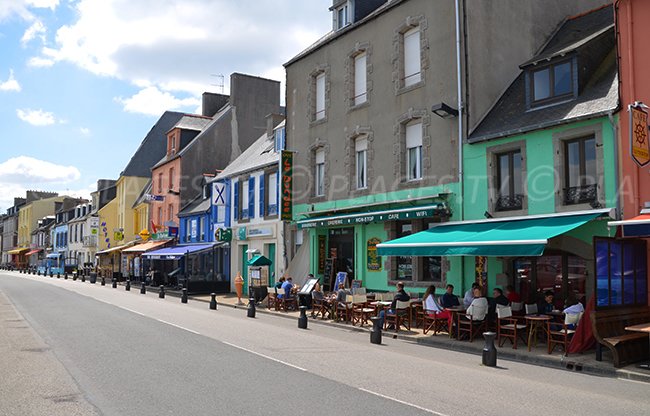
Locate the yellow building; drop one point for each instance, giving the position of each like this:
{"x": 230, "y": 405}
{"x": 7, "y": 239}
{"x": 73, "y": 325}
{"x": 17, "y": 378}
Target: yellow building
{"x": 128, "y": 190}
{"x": 29, "y": 215}
{"x": 141, "y": 210}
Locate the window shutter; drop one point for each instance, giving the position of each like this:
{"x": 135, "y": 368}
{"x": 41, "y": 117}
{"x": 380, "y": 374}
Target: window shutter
{"x": 413, "y": 135}
{"x": 251, "y": 197}
{"x": 320, "y": 96}
{"x": 412, "y": 57}
{"x": 235, "y": 203}
{"x": 262, "y": 196}
{"x": 360, "y": 79}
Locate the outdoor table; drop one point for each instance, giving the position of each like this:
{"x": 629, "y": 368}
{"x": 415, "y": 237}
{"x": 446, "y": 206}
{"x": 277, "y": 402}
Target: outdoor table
{"x": 534, "y": 322}
{"x": 454, "y": 312}
{"x": 641, "y": 328}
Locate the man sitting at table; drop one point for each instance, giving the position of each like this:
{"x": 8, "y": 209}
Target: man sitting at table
{"x": 498, "y": 298}
{"x": 342, "y": 294}
{"x": 478, "y": 309}
{"x": 449, "y": 300}
{"x": 547, "y": 304}
{"x": 469, "y": 295}
{"x": 287, "y": 287}
{"x": 401, "y": 295}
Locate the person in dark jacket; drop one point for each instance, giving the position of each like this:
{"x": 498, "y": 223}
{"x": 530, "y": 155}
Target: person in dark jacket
{"x": 449, "y": 300}
{"x": 401, "y": 295}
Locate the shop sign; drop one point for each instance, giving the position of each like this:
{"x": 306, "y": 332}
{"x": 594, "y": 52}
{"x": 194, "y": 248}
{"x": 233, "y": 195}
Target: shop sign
{"x": 172, "y": 232}
{"x": 218, "y": 194}
{"x": 151, "y": 197}
{"x": 322, "y": 254}
{"x": 480, "y": 263}
{"x": 286, "y": 213}
{"x": 144, "y": 234}
{"x": 370, "y": 217}
{"x": 223, "y": 234}
{"x": 260, "y": 232}
{"x": 374, "y": 260}
{"x": 118, "y": 235}
{"x": 241, "y": 233}
{"x": 639, "y": 143}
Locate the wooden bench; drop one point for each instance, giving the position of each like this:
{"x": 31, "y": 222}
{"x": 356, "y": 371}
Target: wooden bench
{"x": 609, "y": 330}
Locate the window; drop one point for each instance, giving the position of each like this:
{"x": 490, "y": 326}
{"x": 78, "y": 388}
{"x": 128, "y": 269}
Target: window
{"x": 621, "y": 272}
{"x": 412, "y": 61}
{"x": 509, "y": 181}
{"x": 171, "y": 179}
{"x": 171, "y": 212}
{"x": 160, "y": 184}
{"x": 279, "y": 139}
{"x": 245, "y": 200}
{"x": 188, "y": 230}
{"x": 580, "y": 176}
{"x": 173, "y": 144}
{"x": 404, "y": 263}
{"x": 341, "y": 16}
{"x": 236, "y": 202}
{"x": 320, "y": 173}
{"x": 414, "y": 151}
{"x": 551, "y": 82}
{"x": 201, "y": 229}
{"x": 251, "y": 197}
{"x": 160, "y": 216}
{"x": 361, "y": 162}
{"x": 272, "y": 206}
{"x": 360, "y": 83}
{"x": 320, "y": 96}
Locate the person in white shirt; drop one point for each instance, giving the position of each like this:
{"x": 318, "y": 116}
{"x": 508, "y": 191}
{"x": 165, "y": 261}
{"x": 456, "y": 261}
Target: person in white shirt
{"x": 478, "y": 309}
{"x": 469, "y": 295}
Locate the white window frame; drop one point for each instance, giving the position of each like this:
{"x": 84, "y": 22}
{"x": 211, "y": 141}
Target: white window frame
{"x": 413, "y": 135}
{"x": 361, "y": 162}
{"x": 272, "y": 199}
{"x": 360, "y": 94}
{"x": 412, "y": 56}
{"x": 243, "y": 209}
{"x": 319, "y": 170}
{"x": 345, "y": 10}
{"x": 319, "y": 79}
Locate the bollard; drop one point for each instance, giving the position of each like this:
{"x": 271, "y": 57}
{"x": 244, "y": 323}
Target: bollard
{"x": 128, "y": 286}
{"x": 114, "y": 280}
{"x": 38, "y": 272}
{"x": 489, "y": 350}
{"x": 58, "y": 275}
{"x": 161, "y": 292}
{"x": 375, "y": 333}
{"x": 213, "y": 301}
{"x": 302, "y": 320}
{"x": 65, "y": 275}
{"x": 184, "y": 296}
{"x": 74, "y": 277}
{"x": 251, "y": 308}
{"x": 51, "y": 274}
{"x": 83, "y": 278}
{"x": 143, "y": 289}
{"x": 103, "y": 282}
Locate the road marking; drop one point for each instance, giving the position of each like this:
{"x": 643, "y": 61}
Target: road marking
{"x": 178, "y": 326}
{"x": 402, "y": 402}
{"x": 130, "y": 310}
{"x": 264, "y": 356}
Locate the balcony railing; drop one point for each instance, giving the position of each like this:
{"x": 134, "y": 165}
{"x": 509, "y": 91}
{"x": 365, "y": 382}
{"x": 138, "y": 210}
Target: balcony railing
{"x": 580, "y": 194}
{"x": 509, "y": 203}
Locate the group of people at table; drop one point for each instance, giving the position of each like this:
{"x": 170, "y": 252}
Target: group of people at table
{"x": 475, "y": 306}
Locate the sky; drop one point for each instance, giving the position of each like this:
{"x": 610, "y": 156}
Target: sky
{"x": 83, "y": 81}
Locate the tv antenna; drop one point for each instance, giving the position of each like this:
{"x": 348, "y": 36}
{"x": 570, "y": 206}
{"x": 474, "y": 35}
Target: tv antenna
{"x": 220, "y": 81}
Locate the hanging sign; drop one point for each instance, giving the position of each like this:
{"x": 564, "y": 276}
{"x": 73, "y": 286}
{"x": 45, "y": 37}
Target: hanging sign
{"x": 374, "y": 260}
{"x": 639, "y": 143}
{"x": 286, "y": 186}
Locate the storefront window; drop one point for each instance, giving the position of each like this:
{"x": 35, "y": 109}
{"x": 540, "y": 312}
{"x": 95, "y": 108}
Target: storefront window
{"x": 523, "y": 278}
{"x": 563, "y": 274}
{"x": 404, "y": 263}
{"x": 621, "y": 272}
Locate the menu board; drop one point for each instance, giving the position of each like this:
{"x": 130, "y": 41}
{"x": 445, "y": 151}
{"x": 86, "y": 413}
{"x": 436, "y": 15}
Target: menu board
{"x": 328, "y": 274}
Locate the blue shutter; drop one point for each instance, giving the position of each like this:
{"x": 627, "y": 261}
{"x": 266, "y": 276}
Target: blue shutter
{"x": 251, "y": 197}
{"x": 262, "y": 196}
{"x": 235, "y": 203}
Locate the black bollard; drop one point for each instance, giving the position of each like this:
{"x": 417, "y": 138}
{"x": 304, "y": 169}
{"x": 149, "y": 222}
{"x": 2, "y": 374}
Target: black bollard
{"x": 302, "y": 320}
{"x": 51, "y": 274}
{"x": 213, "y": 301}
{"x": 128, "y": 286}
{"x": 38, "y": 272}
{"x": 65, "y": 275}
{"x": 83, "y": 278}
{"x": 489, "y": 350}
{"x": 114, "y": 283}
{"x": 143, "y": 289}
{"x": 161, "y": 292}
{"x": 74, "y": 277}
{"x": 103, "y": 282}
{"x": 251, "y": 308}
{"x": 375, "y": 333}
{"x": 58, "y": 275}
{"x": 184, "y": 296}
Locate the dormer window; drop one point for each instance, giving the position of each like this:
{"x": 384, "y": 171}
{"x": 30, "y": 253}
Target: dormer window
{"x": 279, "y": 139}
{"x": 551, "y": 83}
{"x": 342, "y": 16}
{"x": 173, "y": 144}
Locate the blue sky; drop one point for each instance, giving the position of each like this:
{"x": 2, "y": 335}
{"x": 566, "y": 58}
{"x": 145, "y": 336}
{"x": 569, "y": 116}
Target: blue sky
{"x": 83, "y": 81}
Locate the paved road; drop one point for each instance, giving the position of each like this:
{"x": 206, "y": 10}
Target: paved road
{"x": 131, "y": 354}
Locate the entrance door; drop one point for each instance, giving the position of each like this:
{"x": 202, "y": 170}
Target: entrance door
{"x": 341, "y": 247}
{"x": 270, "y": 254}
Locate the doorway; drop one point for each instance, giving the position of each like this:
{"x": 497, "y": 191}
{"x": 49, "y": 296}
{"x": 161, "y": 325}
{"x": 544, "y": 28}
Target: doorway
{"x": 341, "y": 248}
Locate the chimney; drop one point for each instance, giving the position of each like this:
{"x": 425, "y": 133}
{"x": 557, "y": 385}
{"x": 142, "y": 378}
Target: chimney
{"x": 272, "y": 120}
{"x": 212, "y": 103}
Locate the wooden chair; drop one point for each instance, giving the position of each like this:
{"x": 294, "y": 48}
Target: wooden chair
{"x": 431, "y": 320}
{"x": 359, "y": 291}
{"x": 560, "y": 333}
{"x": 344, "y": 309}
{"x": 360, "y": 310}
{"x": 470, "y": 326}
{"x": 509, "y": 327}
{"x": 320, "y": 307}
{"x": 517, "y": 308}
{"x": 286, "y": 304}
{"x": 401, "y": 316}
{"x": 271, "y": 297}
{"x": 531, "y": 309}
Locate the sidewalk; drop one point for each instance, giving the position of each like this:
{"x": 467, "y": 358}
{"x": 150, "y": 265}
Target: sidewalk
{"x": 585, "y": 362}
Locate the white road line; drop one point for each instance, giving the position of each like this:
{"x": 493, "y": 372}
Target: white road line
{"x": 424, "y": 409}
{"x": 178, "y": 326}
{"x": 130, "y": 310}
{"x": 264, "y": 356}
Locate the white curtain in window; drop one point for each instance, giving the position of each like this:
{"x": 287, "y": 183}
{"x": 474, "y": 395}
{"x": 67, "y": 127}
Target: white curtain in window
{"x": 320, "y": 96}
{"x": 412, "y": 57}
{"x": 273, "y": 189}
{"x": 360, "y": 79}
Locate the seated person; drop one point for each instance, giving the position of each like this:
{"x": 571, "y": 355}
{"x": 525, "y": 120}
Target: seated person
{"x": 497, "y": 299}
{"x": 469, "y": 295}
{"x": 574, "y": 307}
{"x": 512, "y": 295}
{"x": 547, "y": 304}
{"x": 401, "y": 295}
{"x": 317, "y": 293}
{"x": 449, "y": 300}
{"x": 430, "y": 304}
{"x": 279, "y": 284}
{"x": 287, "y": 288}
{"x": 478, "y": 309}
{"x": 341, "y": 294}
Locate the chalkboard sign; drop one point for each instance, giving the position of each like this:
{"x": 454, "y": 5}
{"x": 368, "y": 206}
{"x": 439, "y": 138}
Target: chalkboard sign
{"x": 341, "y": 278}
{"x": 328, "y": 275}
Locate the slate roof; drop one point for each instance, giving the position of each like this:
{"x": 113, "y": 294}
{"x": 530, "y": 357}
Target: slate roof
{"x": 197, "y": 206}
{"x": 192, "y": 122}
{"x": 153, "y": 146}
{"x": 598, "y": 96}
{"x": 261, "y": 153}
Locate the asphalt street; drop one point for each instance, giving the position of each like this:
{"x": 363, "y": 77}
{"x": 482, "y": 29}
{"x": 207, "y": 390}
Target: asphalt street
{"x": 130, "y": 354}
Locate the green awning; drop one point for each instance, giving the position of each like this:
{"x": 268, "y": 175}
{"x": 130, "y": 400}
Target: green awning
{"x": 517, "y": 236}
{"x": 260, "y": 260}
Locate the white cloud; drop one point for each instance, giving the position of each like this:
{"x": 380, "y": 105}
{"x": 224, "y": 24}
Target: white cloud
{"x": 36, "y": 117}
{"x": 39, "y": 62}
{"x": 43, "y": 4}
{"x": 25, "y": 170}
{"x": 84, "y": 131}
{"x": 21, "y": 8}
{"x": 154, "y": 102}
{"x": 37, "y": 29}
{"x": 11, "y": 84}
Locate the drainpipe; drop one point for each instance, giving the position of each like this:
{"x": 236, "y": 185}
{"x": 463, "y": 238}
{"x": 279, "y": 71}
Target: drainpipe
{"x": 614, "y": 127}
{"x": 461, "y": 185}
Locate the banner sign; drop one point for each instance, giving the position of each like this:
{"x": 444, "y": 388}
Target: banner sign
{"x": 374, "y": 260}
{"x": 639, "y": 143}
{"x": 218, "y": 194}
{"x": 370, "y": 217}
{"x": 286, "y": 184}
{"x": 150, "y": 197}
